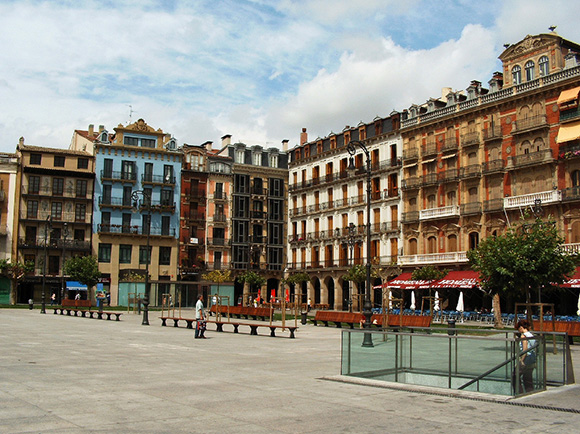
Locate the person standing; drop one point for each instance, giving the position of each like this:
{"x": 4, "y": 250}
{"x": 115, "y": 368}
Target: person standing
{"x": 527, "y": 359}
{"x": 199, "y": 318}
{"x": 53, "y": 299}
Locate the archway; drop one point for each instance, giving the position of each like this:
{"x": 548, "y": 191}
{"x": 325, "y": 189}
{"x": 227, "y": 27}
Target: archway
{"x": 272, "y": 286}
{"x": 344, "y": 286}
{"x": 316, "y": 287}
{"x": 329, "y": 282}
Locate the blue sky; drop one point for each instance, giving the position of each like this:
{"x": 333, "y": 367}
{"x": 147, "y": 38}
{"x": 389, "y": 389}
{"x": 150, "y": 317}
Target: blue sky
{"x": 259, "y": 70}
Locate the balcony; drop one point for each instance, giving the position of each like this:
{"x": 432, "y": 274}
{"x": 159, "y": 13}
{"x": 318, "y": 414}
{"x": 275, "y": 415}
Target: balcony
{"x": 429, "y": 179}
{"x": 471, "y": 171}
{"x": 219, "y": 196}
{"x": 258, "y": 215}
{"x": 531, "y": 159}
{"x": 492, "y": 133}
{"x": 433, "y": 258}
{"x": 218, "y": 242}
{"x": 472, "y": 208}
{"x": 429, "y": 149}
{"x": 410, "y": 154}
{"x": 219, "y": 218}
{"x": 449, "y": 175}
{"x": 571, "y": 194}
{"x": 493, "y": 166}
{"x": 410, "y": 217}
{"x": 493, "y": 205}
{"x": 411, "y": 183}
{"x": 258, "y": 239}
{"x": 157, "y": 206}
{"x": 135, "y": 230}
{"x": 115, "y": 202}
{"x": 195, "y": 195}
{"x": 258, "y": 191}
{"x": 525, "y": 200}
{"x": 470, "y": 139}
{"x": 69, "y": 217}
{"x": 118, "y": 176}
{"x": 530, "y": 124}
{"x": 67, "y": 193}
{"x": 449, "y": 144}
{"x": 196, "y": 216}
{"x": 387, "y": 227}
{"x": 149, "y": 178}
{"x": 439, "y": 212}
{"x": 571, "y": 249}
{"x": 58, "y": 244}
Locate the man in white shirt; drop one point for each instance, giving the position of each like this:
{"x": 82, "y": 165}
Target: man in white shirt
{"x": 199, "y": 319}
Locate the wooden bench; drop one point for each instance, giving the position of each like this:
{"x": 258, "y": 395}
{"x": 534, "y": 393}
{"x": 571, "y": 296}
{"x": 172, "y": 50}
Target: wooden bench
{"x": 253, "y": 327}
{"x": 326, "y": 316}
{"x": 70, "y": 311}
{"x": 176, "y": 320}
{"x": 243, "y": 311}
{"x": 570, "y": 327}
{"x": 403, "y": 321}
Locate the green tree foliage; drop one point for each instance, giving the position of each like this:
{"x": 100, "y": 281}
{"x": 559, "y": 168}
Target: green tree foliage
{"x": 84, "y": 269}
{"x": 15, "y": 271}
{"x": 357, "y": 274}
{"x": 296, "y": 279}
{"x": 428, "y": 272}
{"x": 253, "y": 279}
{"x": 528, "y": 257}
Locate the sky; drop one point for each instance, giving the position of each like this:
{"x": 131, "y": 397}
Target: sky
{"x": 258, "y": 70}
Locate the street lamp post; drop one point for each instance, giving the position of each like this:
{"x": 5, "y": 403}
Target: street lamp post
{"x": 47, "y": 226}
{"x": 62, "y": 283}
{"x": 351, "y": 147}
{"x": 351, "y": 229}
{"x": 147, "y": 202}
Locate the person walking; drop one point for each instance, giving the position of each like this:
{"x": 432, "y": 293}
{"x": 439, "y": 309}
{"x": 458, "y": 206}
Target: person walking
{"x": 527, "y": 359}
{"x": 53, "y": 299}
{"x": 199, "y": 319}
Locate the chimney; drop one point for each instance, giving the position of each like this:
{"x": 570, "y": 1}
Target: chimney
{"x": 91, "y": 129}
{"x": 101, "y": 128}
{"x": 226, "y": 140}
{"x": 285, "y": 145}
{"x": 303, "y": 136}
{"x": 207, "y": 145}
{"x": 21, "y": 141}
{"x": 444, "y": 92}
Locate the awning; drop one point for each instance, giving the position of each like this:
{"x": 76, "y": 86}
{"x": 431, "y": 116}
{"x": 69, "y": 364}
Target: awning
{"x": 458, "y": 279}
{"x": 75, "y": 286}
{"x": 445, "y": 157}
{"x": 568, "y": 132}
{"x": 569, "y": 97}
{"x": 428, "y": 161}
{"x": 572, "y": 282}
{"x": 409, "y": 165}
{"x": 404, "y": 282}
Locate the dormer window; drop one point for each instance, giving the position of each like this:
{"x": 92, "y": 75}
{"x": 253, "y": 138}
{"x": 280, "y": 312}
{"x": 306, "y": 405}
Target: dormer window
{"x": 529, "y": 67}
{"x": 257, "y": 158}
{"x": 517, "y": 74}
{"x": 104, "y": 137}
{"x": 544, "y": 65}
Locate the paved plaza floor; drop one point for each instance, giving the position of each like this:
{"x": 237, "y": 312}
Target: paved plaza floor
{"x": 62, "y": 374}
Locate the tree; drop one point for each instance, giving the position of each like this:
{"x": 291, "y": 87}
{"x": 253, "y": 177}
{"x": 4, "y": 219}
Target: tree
{"x": 15, "y": 272}
{"x": 218, "y": 276}
{"x": 84, "y": 269}
{"x": 428, "y": 272}
{"x": 528, "y": 257}
{"x": 253, "y": 279}
{"x": 297, "y": 279}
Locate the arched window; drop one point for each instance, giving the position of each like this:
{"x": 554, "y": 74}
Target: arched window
{"x": 544, "y": 65}
{"x": 431, "y": 201}
{"x": 516, "y": 74}
{"x": 452, "y": 243}
{"x": 530, "y": 66}
{"x": 473, "y": 240}
{"x": 413, "y": 246}
{"x": 432, "y": 244}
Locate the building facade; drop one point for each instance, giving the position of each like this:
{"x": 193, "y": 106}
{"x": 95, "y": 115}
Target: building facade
{"x": 8, "y": 218}
{"x": 328, "y": 216}
{"x": 137, "y": 200}
{"x": 54, "y": 216}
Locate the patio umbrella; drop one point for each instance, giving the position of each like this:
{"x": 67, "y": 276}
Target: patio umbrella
{"x": 436, "y": 305}
{"x": 460, "y": 307}
{"x": 390, "y": 300}
{"x": 412, "y": 307}
{"x": 578, "y": 311}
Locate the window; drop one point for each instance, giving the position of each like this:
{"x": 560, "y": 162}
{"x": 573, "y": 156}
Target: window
{"x": 105, "y": 221}
{"x": 544, "y": 65}
{"x": 57, "y": 186}
{"x": 108, "y": 168}
{"x": 144, "y": 258}
{"x": 516, "y": 74}
{"x": 79, "y": 234}
{"x": 126, "y": 223}
{"x": 104, "y": 252}
{"x": 257, "y": 159}
{"x": 276, "y": 187}
{"x": 147, "y": 143}
{"x": 164, "y": 255}
{"x": 273, "y": 160}
{"x": 240, "y": 156}
{"x": 165, "y": 224}
{"x": 168, "y": 174}
{"x": 81, "y": 188}
{"x": 127, "y": 194}
{"x": 131, "y": 141}
{"x": 529, "y": 67}
{"x": 56, "y": 211}
{"x": 58, "y": 161}
{"x": 80, "y": 212}
{"x": 148, "y": 175}
{"x": 166, "y": 197}
{"x": 32, "y": 209}
{"x": 36, "y": 159}
{"x": 106, "y": 197}
{"x": 128, "y": 170}
{"x": 33, "y": 184}
{"x": 146, "y": 223}
{"x": 125, "y": 251}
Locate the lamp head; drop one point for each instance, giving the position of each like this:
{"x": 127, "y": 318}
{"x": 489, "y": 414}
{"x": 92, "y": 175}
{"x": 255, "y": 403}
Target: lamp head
{"x": 351, "y": 165}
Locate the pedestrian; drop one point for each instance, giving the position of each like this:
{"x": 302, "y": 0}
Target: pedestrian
{"x": 199, "y": 319}
{"x": 53, "y": 299}
{"x": 77, "y": 299}
{"x": 309, "y": 304}
{"x": 527, "y": 358}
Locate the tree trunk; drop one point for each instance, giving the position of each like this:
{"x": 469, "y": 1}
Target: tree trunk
{"x": 497, "y": 322}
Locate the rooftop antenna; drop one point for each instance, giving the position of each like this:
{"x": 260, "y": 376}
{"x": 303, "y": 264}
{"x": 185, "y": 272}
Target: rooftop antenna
{"x": 131, "y": 111}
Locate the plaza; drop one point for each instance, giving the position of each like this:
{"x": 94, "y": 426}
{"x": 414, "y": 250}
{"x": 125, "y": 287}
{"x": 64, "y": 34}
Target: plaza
{"x": 76, "y": 375}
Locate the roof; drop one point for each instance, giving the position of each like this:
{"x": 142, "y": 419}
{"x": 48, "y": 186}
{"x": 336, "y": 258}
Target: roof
{"x": 32, "y": 148}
